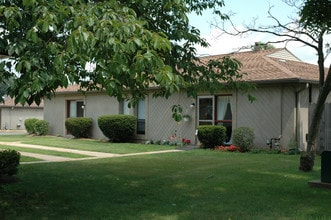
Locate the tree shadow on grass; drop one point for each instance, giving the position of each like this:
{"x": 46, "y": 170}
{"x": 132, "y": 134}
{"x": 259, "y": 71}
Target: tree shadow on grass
{"x": 8, "y": 180}
{"x": 14, "y": 201}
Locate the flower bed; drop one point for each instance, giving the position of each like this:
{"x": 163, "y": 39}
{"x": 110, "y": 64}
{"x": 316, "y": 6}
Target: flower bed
{"x": 230, "y": 148}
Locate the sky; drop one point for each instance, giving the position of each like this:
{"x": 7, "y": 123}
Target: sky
{"x": 243, "y": 13}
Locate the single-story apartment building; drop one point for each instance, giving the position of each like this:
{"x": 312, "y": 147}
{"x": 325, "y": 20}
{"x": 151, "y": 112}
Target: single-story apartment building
{"x": 287, "y": 88}
{"x": 12, "y": 116}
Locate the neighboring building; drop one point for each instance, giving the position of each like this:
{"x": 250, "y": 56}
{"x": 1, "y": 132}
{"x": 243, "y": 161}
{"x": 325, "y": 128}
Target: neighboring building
{"x": 12, "y": 116}
{"x": 286, "y": 89}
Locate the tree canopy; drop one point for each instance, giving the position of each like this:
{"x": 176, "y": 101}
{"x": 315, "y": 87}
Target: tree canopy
{"x": 130, "y": 45}
{"x": 315, "y": 15}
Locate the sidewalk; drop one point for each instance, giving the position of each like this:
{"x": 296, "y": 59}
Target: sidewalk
{"x": 12, "y": 132}
{"x": 92, "y": 154}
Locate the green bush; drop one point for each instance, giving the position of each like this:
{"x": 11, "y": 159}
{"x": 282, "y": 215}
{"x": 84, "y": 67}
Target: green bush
{"x": 29, "y": 125}
{"x": 79, "y": 127}
{"x": 243, "y": 137}
{"x": 118, "y": 128}
{"x": 211, "y": 135}
{"x": 41, "y": 127}
{"x": 9, "y": 161}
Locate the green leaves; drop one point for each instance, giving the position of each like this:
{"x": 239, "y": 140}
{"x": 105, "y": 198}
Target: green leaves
{"x": 177, "y": 113}
{"x": 131, "y": 43}
{"x": 29, "y": 2}
{"x": 315, "y": 15}
{"x": 160, "y": 42}
{"x": 32, "y": 35}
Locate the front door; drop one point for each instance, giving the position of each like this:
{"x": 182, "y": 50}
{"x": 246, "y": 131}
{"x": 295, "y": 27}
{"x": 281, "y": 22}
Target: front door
{"x": 216, "y": 110}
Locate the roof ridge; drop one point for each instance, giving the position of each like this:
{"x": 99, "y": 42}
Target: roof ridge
{"x": 266, "y": 51}
{"x": 263, "y": 52}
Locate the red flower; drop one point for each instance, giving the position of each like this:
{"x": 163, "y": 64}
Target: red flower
{"x": 186, "y": 141}
{"x": 230, "y": 148}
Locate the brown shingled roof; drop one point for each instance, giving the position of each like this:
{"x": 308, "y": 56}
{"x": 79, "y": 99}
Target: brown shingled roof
{"x": 262, "y": 66}
{"x": 70, "y": 88}
{"x": 9, "y": 102}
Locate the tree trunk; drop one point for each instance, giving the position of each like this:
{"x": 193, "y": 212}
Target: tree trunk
{"x": 307, "y": 157}
{"x": 307, "y": 162}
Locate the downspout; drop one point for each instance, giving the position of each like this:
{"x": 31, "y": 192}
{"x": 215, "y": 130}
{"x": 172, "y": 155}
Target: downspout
{"x": 235, "y": 114}
{"x": 281, "y": 110}
{"x": 297, "y": 114}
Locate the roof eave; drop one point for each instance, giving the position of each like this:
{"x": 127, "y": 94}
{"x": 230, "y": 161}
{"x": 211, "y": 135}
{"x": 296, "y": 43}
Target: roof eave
{"x": 284, "y": 81}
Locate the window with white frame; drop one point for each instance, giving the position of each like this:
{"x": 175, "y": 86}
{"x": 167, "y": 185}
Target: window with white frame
{"x": 206, "y": 110}
{"x": 216, "y": 110}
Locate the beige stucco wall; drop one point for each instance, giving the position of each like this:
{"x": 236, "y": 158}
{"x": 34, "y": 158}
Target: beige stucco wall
{"x": 12, "y": 118}
{"x": 274, "y": 114}
{"x": 271, "y": 115}
{"x": 95, "y": 105}
{"x": 160, "y": 123}
{"x": 54, "y": 113}
{"x": 262, "y": 115}
{"x": 303, "y": 119}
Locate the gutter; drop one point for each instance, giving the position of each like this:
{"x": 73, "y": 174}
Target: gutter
{"x": 283, "y": 81}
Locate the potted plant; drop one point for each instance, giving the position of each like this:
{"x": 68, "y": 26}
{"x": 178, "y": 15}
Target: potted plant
{"x": 186, "y": 117}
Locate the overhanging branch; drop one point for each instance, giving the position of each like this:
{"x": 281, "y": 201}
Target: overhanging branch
{"x": 291, "y": 31}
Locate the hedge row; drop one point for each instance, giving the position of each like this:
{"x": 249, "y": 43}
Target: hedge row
{"x": 118, "y": 128}
{"x": 79, "y": 127}
{"x": 212, "y": 136}
{"x": 36, "y": 126}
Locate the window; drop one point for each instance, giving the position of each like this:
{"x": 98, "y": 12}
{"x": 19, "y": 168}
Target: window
{"x": 124, "y": 108}
{"x": 75, "y": 108}
{"x": 216, "y": 110}
{"x": 140, "y": 112}
{"x": 141, "y": 116}
{"x": 206, "y": 110}
{"x": 224, "y": 114}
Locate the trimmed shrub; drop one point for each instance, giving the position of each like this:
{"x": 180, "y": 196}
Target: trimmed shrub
{"x": 41, "y": 127}
{"x": 243, "y": 137}
{"x": 118, "y": 128}
{"x": 29, "y": 125}
{"x": 79, "y": 127}
{"x": 9, "y": 161}
{"x": 211, "y": 135}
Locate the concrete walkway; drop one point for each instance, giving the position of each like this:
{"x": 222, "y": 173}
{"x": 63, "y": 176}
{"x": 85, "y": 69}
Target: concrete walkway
{"x": 91, "y": 154}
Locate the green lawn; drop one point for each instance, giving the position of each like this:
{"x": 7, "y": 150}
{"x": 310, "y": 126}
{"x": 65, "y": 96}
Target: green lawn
{"x": 29, "y": 159}
{"x": 197, "y": 184}
{"x": 48, "y": 152}
{"x": 84, "y": 144}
